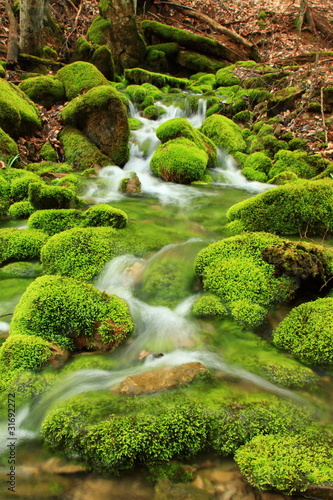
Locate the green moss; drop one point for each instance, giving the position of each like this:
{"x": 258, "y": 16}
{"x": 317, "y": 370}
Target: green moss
{"x": 26, "y": 270}
{"x": 245, "y": 116}
{"x": 136, "y": 93}
{"x": 82, "y": 50}
{"x": 18, "y": 115}
{"x": 299, "y": 162}
{"x": 20, "y": 244}
{"x": 19, "y": 188}
{"x": 254, "y": 175}
{"x": 283, "y": 100}
{"x": 209, "y": 306}
{"x": 24, "y": 351}
{"x": 61, "y": 310}
{"x": 45, "y": 197}
{"x": 80, "y": 76}
{"x": 80, "y": 151}
{"x": 54, "y": 221}
{"x": 99, "y": 30}
{"x": 288, "y": 463}
{"x": 234, "y": 271}
{"x": 153, "y": 112}
{"x": 140, "y": 76}
{"x": 49, "y": 166}
{"x": 194, "y": 61}
{"x": 306, "y": 332}
{"x": 48, "y": 153}
{"x": 8, "y": 147}
{"x": 21, "y": 210}
{"x": 310, "y": 204}
{"x": 134, "y": 124}
{"x": 259, "y": 162}
{"x": 179, "y": 160}
{"x": 45, "y": 90}
{"x": 105, "y": 215}
{"x": 103, "y": 60}
{"x": 284, "y": 178}
{"x": 224, "y": 133}
{"x": 226, "y": 78}
{"x": 156, "y": 60}
{"x": 169, "y": 49}
{"x": 298, "y": 143}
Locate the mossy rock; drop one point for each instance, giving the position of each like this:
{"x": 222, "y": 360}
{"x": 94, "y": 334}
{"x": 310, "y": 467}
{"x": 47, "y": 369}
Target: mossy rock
{"x": 156, "y": 60}
{"x": 8, "y": 146}
{"x": 86, "y": 318}
{"x": 140, "y": 76}
{"x": 284, "y": 177}
{"x": 54, "y": 221}
{"x": 226, "y": 78}
{"x": 193, "y": 61}
{"x": 79, "y": 77}
{"x": 209, "y": 305}
{"x": 80, "y": 152}
{"x": 101, "y": 115}
{"x": 48, "y": 153}
{"x": 83, "y": 50}
{"x": 21, "y": 210}
{"x": 288, "y": 463}
{"x": 224, "y": 133}
{"x": 303, "y": 164}
{"x": 25, "y": 270}
{"x": 283, "y": 100}
{"x": 26, "y": 352}
{"x": 103, "y": 60}
{"x": 105, "y": 215}
{"x": 21, "y": 244}
{"x": 18, "y": 114}
{"x": 49, "y": 166}
{"x": 170, "y": 49}
{"x": 46, "y": 197}
{"x": 290, "y": 209}
{"x": 259, "y": 162}
{"x": 134, "y": 124}
{"x": 307, "y": 333}
{"x": 234, "y": 271}
{"x": 179, "y": 160}
{"x": 45, "y": 90}
{"x": 99, "y": 31}
{"x": 19, "y": 187}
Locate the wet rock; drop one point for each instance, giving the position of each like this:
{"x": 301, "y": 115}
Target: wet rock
{"x": 166, "y": 490}
{"x": 322, "y": 492}
{"x": 59, "y": 356}
{"x": 130, "y": 185}
{"x": 121, "y": 489}
{"x": 161, "y": 379}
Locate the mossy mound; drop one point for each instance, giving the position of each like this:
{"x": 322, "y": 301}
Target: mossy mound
{"x": 71, "y": 314}
{"x": 307, "y": 332}
{"x": 305, "y": 207}
{"x": 209, "y": 305}
{"x": 80, "y": 152}
{"x": 45, "y": 90}
{"x": 8, "y": 146}
{"x": 20, "y": 244}
{"x": 79, "y": 77}
{"x": 140, "y": 76}
{"x": 226, "y": 78}
{"x": 26, "y": 352}
{"x": 234, "y": 271}
{"x": 179, "y": 160}
{"x": 103, "y": 60}
{"x": 49, "y": 166}
{"x": 224, "y": 133}
{"x": 19, "y": 186}
{"x": 180, "y": 127}
{"x": 282, "y": 100}
{"x": 18, "y": 114}
{"x": 105, "y": 215}
{"x": 54, "y": 221}
{"x": 101, "y": 115}
{"x": 21, "y": 210}
{"x": 48, "y": 153}
{"x": 99, "y": 30}
{"x": 288, "y": 463}
{"x": 27, "y": 270}
{"x": 42, "y": 196}
{"x": 194, "y": 61}
{"x": 303, "y": 164}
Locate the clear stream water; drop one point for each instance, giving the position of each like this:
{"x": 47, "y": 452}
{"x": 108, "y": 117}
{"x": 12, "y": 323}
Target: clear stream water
{"x": 171, "y": 331}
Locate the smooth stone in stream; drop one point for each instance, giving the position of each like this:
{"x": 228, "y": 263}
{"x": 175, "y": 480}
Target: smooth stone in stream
{"x": 161, "y": 379}
{"x": 166, "y": 490}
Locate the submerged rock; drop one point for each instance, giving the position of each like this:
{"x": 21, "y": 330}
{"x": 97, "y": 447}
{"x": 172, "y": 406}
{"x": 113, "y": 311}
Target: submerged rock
{"x": 161, "y": 379}
{"x": 166, "y": 490}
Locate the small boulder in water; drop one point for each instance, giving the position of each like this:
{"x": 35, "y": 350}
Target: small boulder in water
{"x": 162, "y": 379}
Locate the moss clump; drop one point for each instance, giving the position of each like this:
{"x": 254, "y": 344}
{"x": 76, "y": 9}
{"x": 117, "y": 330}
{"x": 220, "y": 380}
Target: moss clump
{"x": 18, "y": 115}
{"x": 180, "y": 127}
{"x": 24, "y": 351}
{"x": 19, "y": 188}
{"x": 226, "y": 78}
{"x": 259, "y": 162}
{"x": 245, "y": 117}
{"x": 45, "y": 90}
{"x": 49, "y": 166}
{"x": 54, "y": 221}
{"x": 209, "y": 306}
{"x": 194, "y": 61}
{"x": 103, "y": 60}
{"x": 282, "y": 100}
{"x": 284, "y": 177}
{"x": 288, "y": 463}
{"x": 71, "y": 314}
{"x": 298, "y": 143}
{"x": 224, "y": 133}
{"x": 299, "y": 162}
{"x": 134, "y": 124}
{"x": 179, "y": 160}
{"x": 234, "y": 271}
{"x": 101, "y": 115}
{"x": 105, "y": 215}
{"x": 21, "y": 210}
{"x": 45, "y": 197}
{"x": 80, "y": 151}
{"x": 140, "y": 76}
{"x": 8, "y": 147}
{"x": 307, "y": 332}
{"x": 99, "y": 30}
{"x": 20, "y": 244}
{"x": 48, "y": 153}
{"x": 290, "y": 209}
{"x": 21, "y": 270}
{"x": 80, "y": 76}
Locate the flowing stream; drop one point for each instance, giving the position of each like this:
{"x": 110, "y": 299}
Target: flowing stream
{"x": 158, "y": 328}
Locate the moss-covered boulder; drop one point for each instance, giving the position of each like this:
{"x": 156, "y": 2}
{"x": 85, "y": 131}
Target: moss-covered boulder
{"x": 103, "y": 60}
{"x": 71, "y": 314}
{"x": 233, "y": 270}
{"x": 48, "y": 153}
{"x": 79, "y": 77}
{"x": 27, "y": 352}
{"x": 140, "y": 76}
{"x": 45, "y": 197}
{"x": 307, "y": 332}
{"x": 21, "y": 210}
{"x": 80, "y": 152}
{"x": 193, "y": 61}
{"x": 224, "y": 133}
{"x": 283, "y": 100}
{"x": 45, "y": 90}
{"x": 180, "y": 127}
{"x": 289, "y": 463}
{"x": 19, "y": 187}
{"x": 179, "y": 160}
{"x": 303, "y": 164}
{"x": 101, "y": 115}
{"x": 21, "y": 244}
{"x": 305, "y": 207}
{"x": 8, "y": 146}
{"x": 54, "y": 221}
{"x": 104, "y": 215}
{"x": 99, "y": 31}
{"x": 18, "y": 114}
{"x": 226, "y": 78}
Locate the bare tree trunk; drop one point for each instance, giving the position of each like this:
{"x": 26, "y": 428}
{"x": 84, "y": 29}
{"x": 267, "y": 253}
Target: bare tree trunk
{"x": 127, "y": 46}
{"x": 13, "y": 37}
{"x": 32, "y": 16}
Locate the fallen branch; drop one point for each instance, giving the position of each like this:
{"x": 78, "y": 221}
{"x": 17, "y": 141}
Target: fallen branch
{"x": 215, "y": 25}
{"x": 13, "y": 37}
{"x": 78, "y": 14}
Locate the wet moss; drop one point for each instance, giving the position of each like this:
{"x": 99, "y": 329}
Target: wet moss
{"x": 45, "y": 197}
{"x": 8, "y": 146}
{"x": 140, "y": 76}
{"x": 99, "y": 30}
{"x": 224, "y": 133}
{"x": 45, "y": 90}
{"x": 21, "y": 210}
{"x": 80, "y": 151}
{"x": 24, "y": 352}
{"x": 48, "y": 153}
{"x": 19, "y": 187}
{"x": 20, "y": 244}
